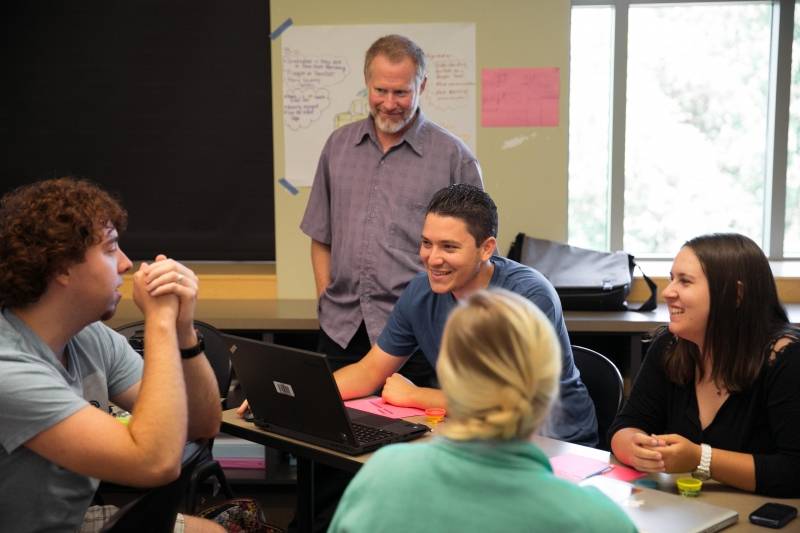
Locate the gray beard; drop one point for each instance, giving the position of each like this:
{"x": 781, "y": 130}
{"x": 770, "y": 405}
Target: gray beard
{"x": 388, "y": 126}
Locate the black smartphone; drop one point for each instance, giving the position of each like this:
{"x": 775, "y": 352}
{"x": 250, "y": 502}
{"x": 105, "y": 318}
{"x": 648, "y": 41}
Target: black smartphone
{"x": 774, "y": 515}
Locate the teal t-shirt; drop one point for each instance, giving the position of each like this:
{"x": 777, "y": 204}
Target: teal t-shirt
{"x": 476, "y": 486}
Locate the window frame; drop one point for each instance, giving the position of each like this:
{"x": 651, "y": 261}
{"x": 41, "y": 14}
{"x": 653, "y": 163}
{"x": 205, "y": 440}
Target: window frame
{"x": 779, "y": 98}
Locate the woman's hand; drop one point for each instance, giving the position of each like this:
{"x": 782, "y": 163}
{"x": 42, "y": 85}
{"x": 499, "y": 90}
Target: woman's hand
{"x": 678, "y": 453}
{"x": 634, "y": 447}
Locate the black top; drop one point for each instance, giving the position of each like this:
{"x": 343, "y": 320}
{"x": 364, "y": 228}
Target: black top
{"x": 763, "y": 420}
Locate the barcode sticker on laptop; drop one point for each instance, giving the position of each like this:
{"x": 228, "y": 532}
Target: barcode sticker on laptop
{"x": 283, "y": 388}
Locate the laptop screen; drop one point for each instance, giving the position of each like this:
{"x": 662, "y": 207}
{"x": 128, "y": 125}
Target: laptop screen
{"x": 291, "y": 389}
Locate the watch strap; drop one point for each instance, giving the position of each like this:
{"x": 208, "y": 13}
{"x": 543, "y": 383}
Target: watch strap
{"x": 197, "y": 349}
{"x": 703, "y": 470}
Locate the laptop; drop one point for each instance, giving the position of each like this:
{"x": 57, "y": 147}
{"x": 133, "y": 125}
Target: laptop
{"x": 292, "y": 392}
{"x": 655, "y": 511}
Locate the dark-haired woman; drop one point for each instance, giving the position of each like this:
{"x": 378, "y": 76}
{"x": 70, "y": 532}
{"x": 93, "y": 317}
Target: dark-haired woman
{"x": 719, "y": 392}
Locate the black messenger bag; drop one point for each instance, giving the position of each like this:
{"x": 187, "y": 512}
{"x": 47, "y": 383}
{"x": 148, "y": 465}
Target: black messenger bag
{"x": 585, "y": 280}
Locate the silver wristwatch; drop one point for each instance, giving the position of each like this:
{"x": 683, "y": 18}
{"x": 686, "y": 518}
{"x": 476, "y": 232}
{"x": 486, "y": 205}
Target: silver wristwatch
{"x": 703, "y": 470}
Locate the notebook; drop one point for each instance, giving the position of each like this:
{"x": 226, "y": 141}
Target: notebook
{"x": 655, "y": 511}
{"x": 292, "y": 392}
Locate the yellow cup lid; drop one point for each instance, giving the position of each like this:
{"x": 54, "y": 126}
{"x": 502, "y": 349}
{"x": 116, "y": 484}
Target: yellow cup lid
{"x": 689, "y": 485}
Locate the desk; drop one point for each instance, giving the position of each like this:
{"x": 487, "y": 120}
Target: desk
{"x": 301, "y": 315}
{"x": 268, "y": 316}
{"x": 635, "y": 324}
{"x": 263, "y": 314}
{"x": 307, "y": 454}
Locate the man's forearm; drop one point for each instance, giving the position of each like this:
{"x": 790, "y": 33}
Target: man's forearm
{"x": 427, "y": 397}
{"x": 355, "y": 381}
{"x": 202, "y": 397}
{"x": 160, "y": 409}
{"x": 202, "y": 390}
{"x": 321, "y": 263}
{"x": 419, "y": 397}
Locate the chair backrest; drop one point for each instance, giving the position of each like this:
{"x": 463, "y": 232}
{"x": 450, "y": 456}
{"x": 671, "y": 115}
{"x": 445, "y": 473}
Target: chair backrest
{"x": 218, "y": 355}
{"x": 155, "y": 510}
{"x": 604, "y": 383}
{"x": 216, "y": 349}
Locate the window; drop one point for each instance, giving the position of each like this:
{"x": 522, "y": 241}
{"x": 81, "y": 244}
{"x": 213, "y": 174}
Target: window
{"x": 675, "y": 125}
{"x": 792, "y": 234}
{"x": 592, "y": 40}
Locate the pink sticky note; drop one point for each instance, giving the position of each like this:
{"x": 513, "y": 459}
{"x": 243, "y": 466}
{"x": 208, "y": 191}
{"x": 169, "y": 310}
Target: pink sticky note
{"x": 623, "y": 473}
{"x": 376, "y": 406}
{"x": 576, "y": 467}
{"x": 520, "y": 96}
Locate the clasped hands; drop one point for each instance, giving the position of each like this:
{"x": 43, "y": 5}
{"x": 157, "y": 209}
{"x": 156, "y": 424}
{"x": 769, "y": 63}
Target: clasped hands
{"x": 663, "y": 453}
{"x": 166, "y": 285}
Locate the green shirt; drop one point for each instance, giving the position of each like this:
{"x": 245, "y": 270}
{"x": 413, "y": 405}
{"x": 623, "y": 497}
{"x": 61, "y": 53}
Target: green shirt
{"x": 446, "y": 485}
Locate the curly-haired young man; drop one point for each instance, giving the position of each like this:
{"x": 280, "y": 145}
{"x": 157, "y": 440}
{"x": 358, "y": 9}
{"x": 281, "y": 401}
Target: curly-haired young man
{"x": 61, "y": 267}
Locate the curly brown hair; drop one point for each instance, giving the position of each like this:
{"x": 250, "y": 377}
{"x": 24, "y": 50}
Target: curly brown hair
{"x": 46, "y": 227}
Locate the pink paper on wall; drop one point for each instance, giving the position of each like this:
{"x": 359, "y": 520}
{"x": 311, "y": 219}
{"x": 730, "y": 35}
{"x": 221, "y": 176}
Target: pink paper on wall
{"x": 520, "y": 97}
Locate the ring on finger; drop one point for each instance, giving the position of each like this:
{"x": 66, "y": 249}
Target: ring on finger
{"x": 180, "y": 278}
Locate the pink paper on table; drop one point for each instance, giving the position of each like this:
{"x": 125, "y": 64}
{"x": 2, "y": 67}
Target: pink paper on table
{"x": 241, "y": 462}
{"x": 623, "y": 473}
{"x": 577, "y": 468}
{"x": 376, "y": 406}
{"x": 520, "y": 96}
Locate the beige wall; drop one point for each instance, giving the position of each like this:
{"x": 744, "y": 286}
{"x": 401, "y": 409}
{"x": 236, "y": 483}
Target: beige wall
{"x": 528, "y": 183}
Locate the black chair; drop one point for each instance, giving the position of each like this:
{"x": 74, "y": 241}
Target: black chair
{"x": 604, "y": 383}
{"x": 219, "y": 358}
{"x": 155, "y": 510}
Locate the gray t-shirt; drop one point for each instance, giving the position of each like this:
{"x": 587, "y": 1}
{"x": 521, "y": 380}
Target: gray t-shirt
{"x": 36, "y": 393}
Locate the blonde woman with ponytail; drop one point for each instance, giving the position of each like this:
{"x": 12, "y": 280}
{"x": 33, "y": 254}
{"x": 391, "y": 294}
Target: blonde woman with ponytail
{"x": 499, "y": 369}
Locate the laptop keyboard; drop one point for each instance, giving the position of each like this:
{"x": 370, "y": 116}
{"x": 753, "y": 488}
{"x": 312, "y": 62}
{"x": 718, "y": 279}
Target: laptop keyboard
{"x": 365, "y": 434}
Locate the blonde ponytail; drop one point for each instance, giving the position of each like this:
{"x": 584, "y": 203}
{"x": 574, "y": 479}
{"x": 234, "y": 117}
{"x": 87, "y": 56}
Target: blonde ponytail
{"x": 499, "y": 367}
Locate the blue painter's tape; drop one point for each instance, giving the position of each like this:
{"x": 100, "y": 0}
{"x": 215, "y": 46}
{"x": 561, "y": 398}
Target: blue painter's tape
{"x": 280, "y": 29}
{"x": 288, "y": 186}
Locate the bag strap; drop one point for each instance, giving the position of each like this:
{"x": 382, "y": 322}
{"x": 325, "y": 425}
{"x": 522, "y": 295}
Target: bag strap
{"x": 651, "y": 302}
{"x": 515, "y": 251}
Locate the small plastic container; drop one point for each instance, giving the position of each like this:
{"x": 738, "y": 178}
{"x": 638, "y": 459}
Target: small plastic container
{"x": 689, "y": 486}
{"x": 434, "y": 415}
{"x": 646, "y": 483}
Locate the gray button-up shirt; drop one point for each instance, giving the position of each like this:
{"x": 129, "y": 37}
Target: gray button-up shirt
{"x": 370, "y": 208}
